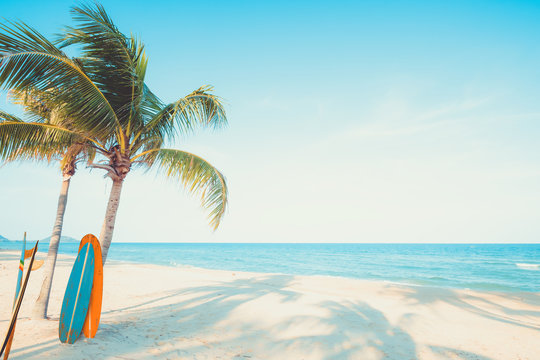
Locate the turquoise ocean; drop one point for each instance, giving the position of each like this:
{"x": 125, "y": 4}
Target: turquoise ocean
{"x": 491, "y": 267}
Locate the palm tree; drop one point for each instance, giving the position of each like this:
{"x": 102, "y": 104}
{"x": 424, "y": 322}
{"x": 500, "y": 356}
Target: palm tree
{"x": 38, "y": 140}
{"x": 142, "y": 124}
{"x": 116, "y": 115}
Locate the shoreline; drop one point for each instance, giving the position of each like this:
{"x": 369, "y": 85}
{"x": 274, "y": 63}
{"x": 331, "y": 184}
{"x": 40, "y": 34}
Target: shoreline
{"x": 382, "y": 281}
{"x": 191, "y": 313}
{"x": 43, "y": 255}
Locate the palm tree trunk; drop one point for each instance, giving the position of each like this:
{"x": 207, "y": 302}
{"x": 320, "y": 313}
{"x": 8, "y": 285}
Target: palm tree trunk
{"x": 110, "y": 216}
{"x": 42, "y": 302}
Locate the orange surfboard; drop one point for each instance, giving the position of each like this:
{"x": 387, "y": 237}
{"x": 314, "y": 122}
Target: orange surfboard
{"x": 91, "y": 323}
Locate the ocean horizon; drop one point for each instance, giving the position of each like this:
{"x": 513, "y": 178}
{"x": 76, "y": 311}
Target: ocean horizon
{"x": 486, "y": 267}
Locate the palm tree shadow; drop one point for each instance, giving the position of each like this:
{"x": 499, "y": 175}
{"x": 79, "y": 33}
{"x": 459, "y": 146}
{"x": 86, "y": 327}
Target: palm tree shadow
{"x": 470, "y": 302}
{"x": 358, "y": 331}
{"x": 450, "y": 353}
{"x": 213, "y": 321}
{"x": 36, "y": 349}
{"x": 217, "y": 321}
{"x": 226, "y": 291}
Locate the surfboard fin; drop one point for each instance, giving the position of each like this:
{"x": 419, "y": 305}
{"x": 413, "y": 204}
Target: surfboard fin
{"x": 37, "y": 264}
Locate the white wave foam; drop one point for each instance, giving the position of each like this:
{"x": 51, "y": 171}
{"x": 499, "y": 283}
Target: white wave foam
{"x": 528, "y": 266}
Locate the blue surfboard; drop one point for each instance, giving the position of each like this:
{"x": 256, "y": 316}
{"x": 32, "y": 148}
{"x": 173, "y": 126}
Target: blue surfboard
{"x": 77, "y": 296}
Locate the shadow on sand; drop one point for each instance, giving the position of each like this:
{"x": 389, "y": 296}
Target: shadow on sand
{"x": 198, "y": 325}
{"x": 488, "y": 309}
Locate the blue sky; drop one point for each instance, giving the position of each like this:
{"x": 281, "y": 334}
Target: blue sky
{"x": 349, "y": 122}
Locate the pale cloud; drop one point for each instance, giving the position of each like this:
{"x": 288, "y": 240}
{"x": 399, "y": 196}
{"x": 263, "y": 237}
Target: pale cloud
{"x": 396, "y": 117}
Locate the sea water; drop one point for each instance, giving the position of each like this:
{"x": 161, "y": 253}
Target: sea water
{"x": 492, "y": 267}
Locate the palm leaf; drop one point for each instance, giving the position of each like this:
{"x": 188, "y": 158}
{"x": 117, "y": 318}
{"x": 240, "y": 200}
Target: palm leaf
{"x": 196, "y": 174}
{"x": 200, "y": 107}
{"x": 21, "y": 140}
{"x": 29, "y": 61}
{"x": 150, "y": 105}
{"x": 37, "y": 106}
{"x": 116, "y": 63}
{"x": 5, "y": 117}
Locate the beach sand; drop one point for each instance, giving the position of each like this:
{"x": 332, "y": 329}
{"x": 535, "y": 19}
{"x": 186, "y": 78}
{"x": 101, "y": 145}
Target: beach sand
{"x": 162, "y": 312}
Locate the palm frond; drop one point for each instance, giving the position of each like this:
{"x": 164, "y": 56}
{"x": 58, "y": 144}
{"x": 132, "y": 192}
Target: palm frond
{"x": 36, "y": 106}
{"x": 200, "y": 107}
{"x": 43, "y": 107}
{"x": 21, "y": 140}
{"x": 17, "y": 37}
{"x": 6, "y": 117}
{"x": 196, "y": 174}
{"x": 29, "y": 61}
{"x": 150, "y": 106}
{"x": 148, "y": 142}
{"x": 116, "y": 63}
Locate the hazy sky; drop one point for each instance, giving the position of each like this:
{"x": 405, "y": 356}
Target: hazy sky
{"x": 360, "y": 121}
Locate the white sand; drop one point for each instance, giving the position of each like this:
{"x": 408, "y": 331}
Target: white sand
{"x": 186, "y": 313}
